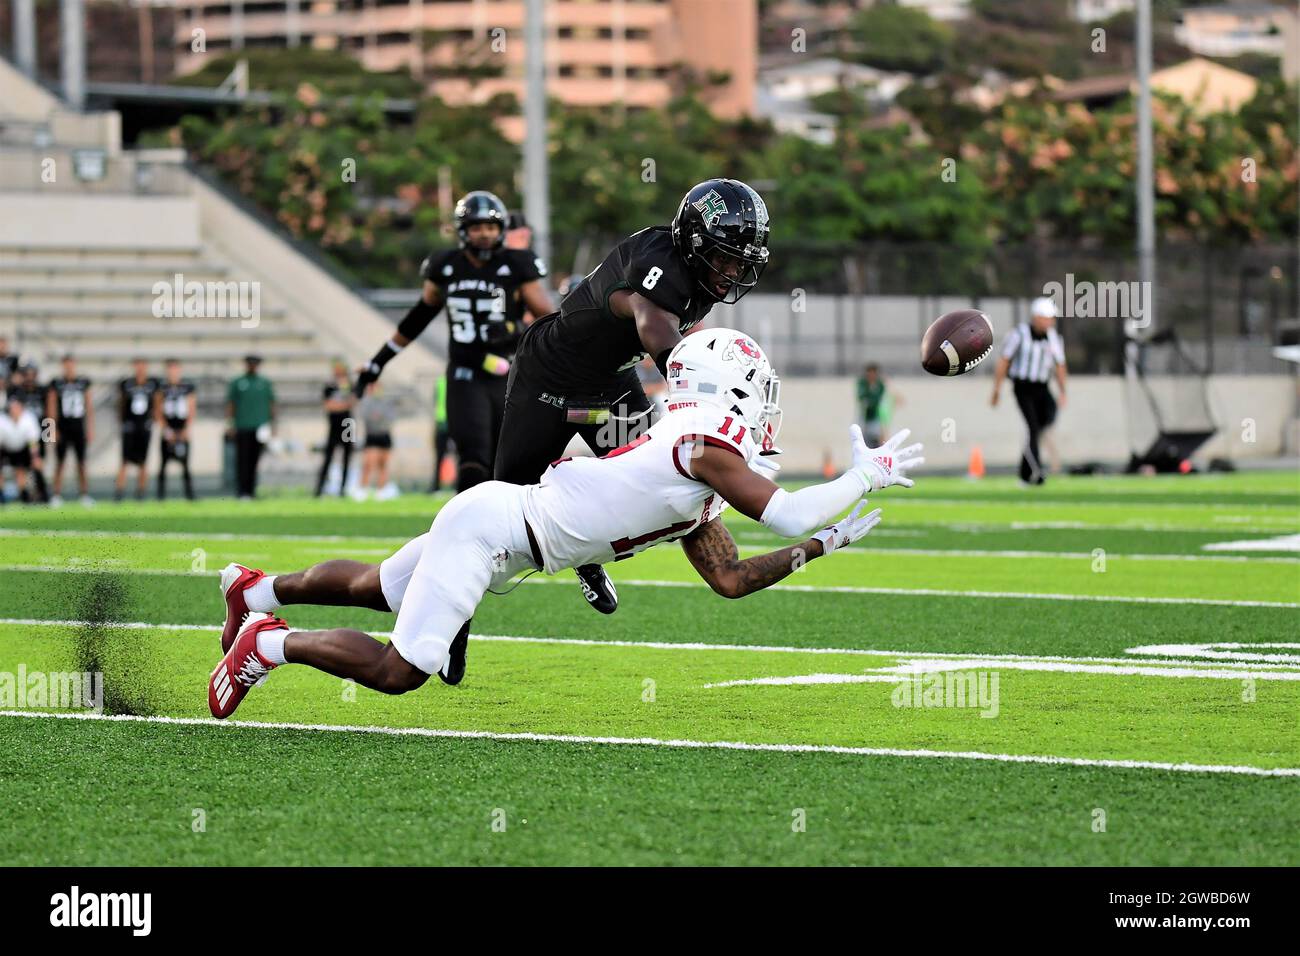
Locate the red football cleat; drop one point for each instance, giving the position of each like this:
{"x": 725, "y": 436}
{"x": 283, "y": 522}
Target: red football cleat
{"x": 243, "y": 668}
{"x": 235, "y": 579}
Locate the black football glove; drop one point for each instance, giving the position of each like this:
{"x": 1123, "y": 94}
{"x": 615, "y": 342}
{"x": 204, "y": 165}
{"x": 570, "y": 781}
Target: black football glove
{"x": 371, "y": 371}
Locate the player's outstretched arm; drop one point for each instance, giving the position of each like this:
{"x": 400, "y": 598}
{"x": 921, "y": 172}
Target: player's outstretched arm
{"x": 712, "y": 551}
{"x": 408, "y": 330}
{"x": 793, "y": 514}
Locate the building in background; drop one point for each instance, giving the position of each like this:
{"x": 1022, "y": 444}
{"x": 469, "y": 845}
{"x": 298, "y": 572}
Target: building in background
{"x": 941, "y": 9}
{"x": 1210, "y": 86}
{"x": 600, "y": 52}
{"x": 141, "y": 50}
{"x": 1231, "y": 29}
{"x": 786, "y": 88}
{"x": 1091, "y": 11}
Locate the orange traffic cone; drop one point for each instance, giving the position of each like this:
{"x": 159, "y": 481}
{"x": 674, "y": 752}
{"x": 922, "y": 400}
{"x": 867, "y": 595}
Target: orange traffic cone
{"x": 976, "y": 467}
{"x": 828, "y": 466}
{"x": 447, "y": 473}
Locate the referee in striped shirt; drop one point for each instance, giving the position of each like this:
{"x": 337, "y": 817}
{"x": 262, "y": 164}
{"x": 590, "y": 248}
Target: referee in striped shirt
{"x": 1032, "y": 353}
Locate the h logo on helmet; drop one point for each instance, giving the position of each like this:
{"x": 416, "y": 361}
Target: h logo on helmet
{"x": 711, "y": 207}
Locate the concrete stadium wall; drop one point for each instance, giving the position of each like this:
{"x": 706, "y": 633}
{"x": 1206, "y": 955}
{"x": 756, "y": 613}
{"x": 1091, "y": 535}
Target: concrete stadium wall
{"x": 352, "y": 327}
{"x": 1092, "y": 426}
{"x": 74, "y": 221}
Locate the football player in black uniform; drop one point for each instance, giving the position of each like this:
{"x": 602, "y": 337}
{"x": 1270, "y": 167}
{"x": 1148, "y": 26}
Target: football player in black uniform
{"x": 135, "y": 409}
{"x": 33, "y": 396}
{"x": 68, "y": 405}
{"x": 575, "y": 369}
{"x": 486, "y": 289}
{"x": 175, "y": 415}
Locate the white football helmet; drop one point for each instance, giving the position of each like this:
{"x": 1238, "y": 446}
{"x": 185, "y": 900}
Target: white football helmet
{"x": 726, "y": 368}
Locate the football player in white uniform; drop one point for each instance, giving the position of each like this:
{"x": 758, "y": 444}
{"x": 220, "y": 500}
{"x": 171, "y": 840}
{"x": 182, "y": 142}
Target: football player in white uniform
{"x": 712, "y": 449}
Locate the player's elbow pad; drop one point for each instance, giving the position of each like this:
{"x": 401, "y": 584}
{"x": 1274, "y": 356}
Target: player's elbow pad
{"x": 793, "y": 514}
{"x": 417, "y": 320}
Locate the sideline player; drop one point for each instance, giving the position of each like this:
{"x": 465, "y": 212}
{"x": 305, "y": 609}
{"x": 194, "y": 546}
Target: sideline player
{"x": 176, "y": 411}
{"x": 671, "y": 483}
{"x": 136, "y": 398}
{"x": 69, "y": 406}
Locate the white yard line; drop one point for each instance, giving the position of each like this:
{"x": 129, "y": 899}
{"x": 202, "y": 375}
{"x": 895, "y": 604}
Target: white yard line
{"x": 796, "y": 588}
{"x": 685, "y": 744}
{"x": 1035, "y": 555}
{"x": 1169, "y": 655}
{"x": 1284, "y": 543}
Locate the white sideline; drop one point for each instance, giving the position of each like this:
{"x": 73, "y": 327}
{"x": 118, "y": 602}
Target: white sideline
{"x": 867, "y": 551}
{"x": 1151, "y": 653}
{"x": 1291, "y": 543}
{"x": 807, "y": 588}
{"x": 688, "y": 744}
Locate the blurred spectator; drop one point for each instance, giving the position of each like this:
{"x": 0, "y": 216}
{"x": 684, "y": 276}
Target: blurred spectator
{"x": 519, "y": 235}
{"x": 441, "y": 434}
{"x": 875, "y": 405}
{"x": 8, "y": 363}
{"x": 569, "y": 283}
{"x": 33, "y": 395}
{"x": 250, "y": 415}
{"x": 69, "y": 406}
{"x": 175, "y": 416}
{"x": 19, "y": 435}
{"x": 136, "y": 398}
{"x": 1032, "y": 354}
{"x": 378, "y": 413}
{"x": 337, "y": 402}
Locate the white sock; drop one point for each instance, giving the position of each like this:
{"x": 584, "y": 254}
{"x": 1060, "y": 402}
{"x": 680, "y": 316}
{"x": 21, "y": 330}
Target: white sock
{"x": 261, "y": 595}
{"x": 270, "y": 644}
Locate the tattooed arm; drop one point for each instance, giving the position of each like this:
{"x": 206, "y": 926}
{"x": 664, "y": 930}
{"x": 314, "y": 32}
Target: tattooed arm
{"x": 712, "y": 550}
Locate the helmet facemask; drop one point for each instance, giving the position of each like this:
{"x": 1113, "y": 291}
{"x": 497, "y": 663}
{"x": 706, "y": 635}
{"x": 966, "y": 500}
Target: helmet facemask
{"x": 736, "y": 269}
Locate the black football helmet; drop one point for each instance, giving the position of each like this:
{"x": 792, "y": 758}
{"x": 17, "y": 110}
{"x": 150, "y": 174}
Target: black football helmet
{"x": 481, "y": 206}
{"x": 720, "y": 232}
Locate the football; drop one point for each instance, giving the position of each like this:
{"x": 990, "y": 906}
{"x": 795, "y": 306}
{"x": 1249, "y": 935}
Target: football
{"x": 956, "y": 342}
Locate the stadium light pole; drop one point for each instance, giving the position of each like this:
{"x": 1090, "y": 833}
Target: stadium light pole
{"x": 25, "y": 37}
{"x": 537, "y": 203}
{"x": 72, "y": 26}
{"x": 1145, "y": 164}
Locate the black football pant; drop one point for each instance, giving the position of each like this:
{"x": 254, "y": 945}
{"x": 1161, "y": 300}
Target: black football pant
{"x": 475, "y": 411}
{"x": 536, "y": 429}
{"x": 1039, "y": 409}
{"x": 247, "y": 452}
{"x": 335, "y": 441}
{"x": 178, "y": 452}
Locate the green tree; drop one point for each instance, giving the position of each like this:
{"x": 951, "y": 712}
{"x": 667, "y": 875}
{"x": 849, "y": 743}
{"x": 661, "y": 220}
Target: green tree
{"x": 901, "y": 38}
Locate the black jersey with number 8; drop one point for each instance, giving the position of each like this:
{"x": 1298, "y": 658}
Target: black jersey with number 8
{"x": 588, "y": 347}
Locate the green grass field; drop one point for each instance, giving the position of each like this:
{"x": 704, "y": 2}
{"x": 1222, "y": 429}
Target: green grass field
{"x": 994, "y": 676}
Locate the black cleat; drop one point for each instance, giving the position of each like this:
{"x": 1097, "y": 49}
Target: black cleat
{"x": 453, "y": 672}
{"x": 597, "y": 588}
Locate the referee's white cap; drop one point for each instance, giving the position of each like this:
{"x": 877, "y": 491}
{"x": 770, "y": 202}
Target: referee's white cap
{"x": 1043, "y": 306}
